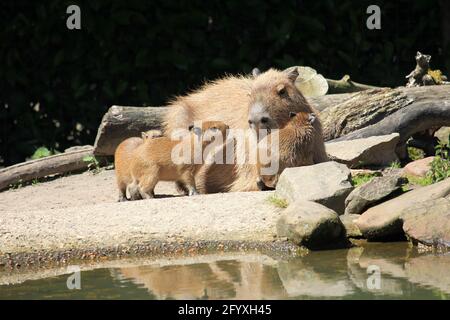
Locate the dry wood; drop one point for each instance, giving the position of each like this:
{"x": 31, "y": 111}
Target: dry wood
{"x": 380, "y": 112}
{"x": 362, "y": 114}
{"x": 346, "y": 85}
{"x": 39, "y": 168}
{"x": 120, "y": 123}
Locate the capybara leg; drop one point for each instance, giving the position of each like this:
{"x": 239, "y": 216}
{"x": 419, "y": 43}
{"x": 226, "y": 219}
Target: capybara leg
{"x": 181, "y": 188}
{"x": 122, "y": 196}
{"x": 133, "y": 191}
{"x": 189, "y": 182}
{"x": 192, "y": 191}
{"x": 122, "y": 192}
{"x": 147, "y": 186}
{"x": 214, "y": 178}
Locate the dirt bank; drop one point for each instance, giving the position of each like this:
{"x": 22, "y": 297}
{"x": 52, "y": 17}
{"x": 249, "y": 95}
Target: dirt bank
{"x": 77, "y": 217}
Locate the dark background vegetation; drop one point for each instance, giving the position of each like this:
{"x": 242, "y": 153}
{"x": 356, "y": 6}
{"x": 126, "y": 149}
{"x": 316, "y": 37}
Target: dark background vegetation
{"x": 56, "y": 84}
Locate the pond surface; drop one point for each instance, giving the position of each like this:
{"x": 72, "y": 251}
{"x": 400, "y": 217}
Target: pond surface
{"x": 374, "y": 271}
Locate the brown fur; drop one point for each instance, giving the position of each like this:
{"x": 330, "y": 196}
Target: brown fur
{"x": 122, "y": 158}
{"x": 231, "y": 100}
{"x": 151, "y": 161}
{"x": 296, "y": 147}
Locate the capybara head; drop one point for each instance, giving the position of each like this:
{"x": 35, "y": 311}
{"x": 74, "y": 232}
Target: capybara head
{"x": 213, "y": 129}
{"x": 273, "y": 95}
{"x": 302, "y": 118}
{"x": 301, "y": 122}
{"x": 210, "y": 130}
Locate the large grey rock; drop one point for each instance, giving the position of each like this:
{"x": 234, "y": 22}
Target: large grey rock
{"x": 326, "y": 183}
{"x": 311, "y": 225}
{"x": 377, "y": 150}
{"x": 351, "y": 229}
{"x": 384, "y": 220}
{"x": 372, "y": 192}
{"x": 428, "y": 223}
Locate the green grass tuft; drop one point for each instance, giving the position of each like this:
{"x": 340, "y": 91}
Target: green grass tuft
{"x": 363, "y": 178}
{"x": 278, "y": 202}
{"x": 420, "y": 181}
{"x": 395, "y": 164}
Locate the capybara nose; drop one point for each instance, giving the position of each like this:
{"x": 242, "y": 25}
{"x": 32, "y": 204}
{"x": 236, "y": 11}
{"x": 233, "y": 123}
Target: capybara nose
{"x": 260, "y": 184}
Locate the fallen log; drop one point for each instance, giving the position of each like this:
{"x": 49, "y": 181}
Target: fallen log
{"x": 120, "y": 123}
{"x": 34, "y": 169}
{"x": 366, "y": 113}
{"x": 403, "y": 110}
{"x": 426, "y": 108}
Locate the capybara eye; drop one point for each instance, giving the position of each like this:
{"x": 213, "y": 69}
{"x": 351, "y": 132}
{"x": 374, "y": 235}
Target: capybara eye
{"x": 264, "y": 120}
{"x": 282, "y": 91}
{"x": 250, "y": 122}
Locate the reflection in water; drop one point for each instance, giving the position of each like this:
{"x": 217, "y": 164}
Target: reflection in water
{"x": 229, "y": 279}
{"x": 318, "y": 275}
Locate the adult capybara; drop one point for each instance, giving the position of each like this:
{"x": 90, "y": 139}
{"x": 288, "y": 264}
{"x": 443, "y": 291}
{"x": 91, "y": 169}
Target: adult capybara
{"x": 260, "y": 101}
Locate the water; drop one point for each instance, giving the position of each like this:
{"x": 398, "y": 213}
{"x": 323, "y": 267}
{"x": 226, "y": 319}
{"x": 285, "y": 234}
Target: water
{"x": 337, "y": 274}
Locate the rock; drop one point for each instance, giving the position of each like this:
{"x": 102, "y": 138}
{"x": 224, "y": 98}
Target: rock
{"x": 351, "y": 228}
{"x": 428, "y": 223}
{"x": 442, "y": 134}
{"x": 384, "y": 221}
{"x": 372, "y": 192}
{"x": 377, "y": 150}
{"x": 356, "y": 172}
{"x": 392, "y": 171}
{"x": 418, "y": 168}
{"x": 327, "y": 183}
{"x": 311, "y": 225}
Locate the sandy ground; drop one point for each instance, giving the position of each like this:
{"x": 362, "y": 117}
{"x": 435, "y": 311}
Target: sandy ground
{"x": 71, "y": 191}
{"x": 77, "y": 217}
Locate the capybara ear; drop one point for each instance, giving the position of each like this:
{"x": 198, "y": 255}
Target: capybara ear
{"x": 311, "y": 118}
{"x": 256, "y": 72}
{"x": 191, "y": 127}
{"x": 292, "y": 73}
{"x": 292, "y": 114}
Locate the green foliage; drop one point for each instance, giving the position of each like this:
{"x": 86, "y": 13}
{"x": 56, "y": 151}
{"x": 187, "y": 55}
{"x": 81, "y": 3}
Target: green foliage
{"x": 395, "y": 164}
{"x": 362, "y": 178}
{"x": 440, "y": 166}
{"x": 41, "y": 152}
{"x": 56, "y": 83}
{"x": 420, "y": 181}
{"x": 415, "y": 153}
{"x": 278, "y": 202}
{"x": 93, "y": 164}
